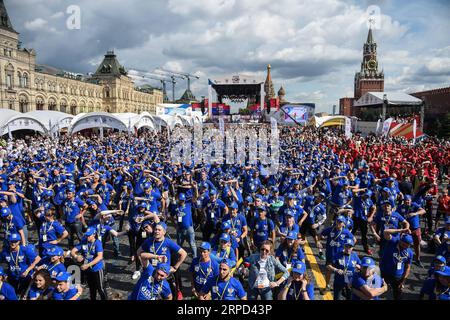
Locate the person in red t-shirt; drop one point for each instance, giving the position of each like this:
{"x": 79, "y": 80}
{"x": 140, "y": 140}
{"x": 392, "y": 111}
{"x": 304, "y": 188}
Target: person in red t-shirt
{"x": 443, "y": 208}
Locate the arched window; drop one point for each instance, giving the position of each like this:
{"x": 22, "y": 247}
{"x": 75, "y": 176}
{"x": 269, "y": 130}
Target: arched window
{"x": 9, "y": 76}
{"x": 73, "y": 108}
{"x": 19, "y": 75}
{"x": 39, "y": 103}
{"x": 25, "y": 80}
{"x": 23, "y": 104}
{"x": 52, "y": 104}
{"x": 63, "y": 106}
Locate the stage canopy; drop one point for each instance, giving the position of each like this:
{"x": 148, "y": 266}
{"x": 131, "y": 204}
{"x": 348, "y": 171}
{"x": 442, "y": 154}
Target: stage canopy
{"x": 98, "y": 120}
{"x": 393, "y": 98}
{"x": 11, "y": 120}
{"x": 52, "y": 120}
{"x": 327, "y": 121}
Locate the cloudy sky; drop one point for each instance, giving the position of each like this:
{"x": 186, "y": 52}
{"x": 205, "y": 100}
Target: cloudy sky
{"x": 314, "y": 46}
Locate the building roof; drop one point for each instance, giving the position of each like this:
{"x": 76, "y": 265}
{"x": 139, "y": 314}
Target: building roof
{"x": 5, "y": 22}
{"x": 393, "y": 98}
{"x": 187, "y": 96}
{"x": 110, "y": 66}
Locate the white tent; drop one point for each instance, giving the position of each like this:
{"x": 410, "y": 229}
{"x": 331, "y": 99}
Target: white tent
{"x": 11, "y": 120}
{"x": 52, "y": 120}
{"x": 393, "y": 98}
{"x": 98, "y": 120}
{"x": 137, "y": 121}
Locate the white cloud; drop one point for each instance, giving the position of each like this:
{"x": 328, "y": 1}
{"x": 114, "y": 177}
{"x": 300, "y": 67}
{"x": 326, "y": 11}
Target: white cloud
{"x": 36, "y": 24}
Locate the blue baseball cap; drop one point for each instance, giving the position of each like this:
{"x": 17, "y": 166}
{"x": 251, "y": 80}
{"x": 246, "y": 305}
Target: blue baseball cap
{"x": 447, "y": 220}
{"x": 249, "y": 199}
{"x": 341, "y": 219}
{"x": 225, "y": 237}
{"x": 345, "y": 183}
{"x": 292, "y": 235}
{"x": 233, "y": 205}
{"x": 2, "y": 272}
{"x": 55, "y": 251}
{"x": 5, "y": 212}
{"x": 205, "y": 246}
{"x": 226, "y": 225}
{"x": 147, "y": 185}
{"x": 164, "y": 267}
{"x": 90, "y": 231}
{"x": 386, "y": 189}
{"x": 408, "y": 197}
{"x": 290, "y": 196}
{"x": 441, "y": 259}
{"x": 275, "y": 189}
{"x": 321, "y": 194}
{"x": 162, "y": 224}
{"x": 296, "y": 182}
{"x": 299, "y": 267}
{"x": 212, "y": 192}
{"x": 368, "y": 193}
{"x": 290, "y": 213}
{"x": 406, "y": 238}
{"x": 62, "y": 277}
{"x": 445, "y": 272}
{"x": 3, "y": 197}
{"x": 367, "y": 262}
{"x": 182, "y": 197}
{"x": 14, "y": 237}
{"x": 386, "y": 202}
{"x": 141, "y": 205}
{"x": 145, "y": 223}
{"x": 228, "y": 262}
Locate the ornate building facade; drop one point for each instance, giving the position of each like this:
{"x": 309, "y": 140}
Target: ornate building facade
{"x": 26, "y": 86}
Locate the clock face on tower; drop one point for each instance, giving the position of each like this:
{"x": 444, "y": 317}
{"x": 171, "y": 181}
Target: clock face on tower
{"x": 372, "y": 64}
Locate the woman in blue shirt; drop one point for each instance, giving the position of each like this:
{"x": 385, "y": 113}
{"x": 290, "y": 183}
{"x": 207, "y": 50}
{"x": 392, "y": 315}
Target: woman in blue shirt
{"x": 41, "y": 288}
{"x": 437, "y": 288}
{"x": 298, "y": 286}
{"x": 6, "y": 290}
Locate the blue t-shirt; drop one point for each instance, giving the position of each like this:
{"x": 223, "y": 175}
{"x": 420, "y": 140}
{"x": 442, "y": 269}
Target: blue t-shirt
{"x": 50, "y": 231}
{"x": 71, "y": 210}
{"x": 7, "y": 292}
{"x": 429, "y": 289}
{"x": 262, "y": 229}
{"x": 286, "y": 255}
{"x": 12, "y": 226}
{"x": 90, "y": 251}
{"x": 36, "y": 293}
{"x": 237, "y": 223}
{"x": 294, "y": 292}
{"x": 53, "y": 269}
{"x": 335, "y": 241}
{"x": 404, "y": 210}
{"x": 394, "y": 260}
{"x": 147, "y": 288}
{"x": 348, "y": 264}
{"x": 362, "y": 207}
{"x": 359, "y": 281}
{"x": 213, "y": 210}
{"x": 203, "y": 271}
{"x": 166, "y": 248}
{"x": 65, "y": 295}
{"x": 19, "y": 261}
{"x": 224, "y": 290}
{"x": 183, "y": 216}
{"x": 391, "y": 221}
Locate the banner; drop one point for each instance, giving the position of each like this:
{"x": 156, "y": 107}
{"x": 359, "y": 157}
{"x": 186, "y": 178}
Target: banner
{"x": 377, "y": 131}
{"x": 386, "y": 127}
{"x": 414, "y": 131}
{"x": 222, "y": 126}
{"x": 348, "y": 128}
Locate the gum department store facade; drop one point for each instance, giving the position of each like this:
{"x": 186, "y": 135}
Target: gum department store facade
{"x": 26, "y": 86}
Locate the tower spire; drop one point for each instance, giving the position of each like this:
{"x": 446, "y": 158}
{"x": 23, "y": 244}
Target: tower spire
{"x": 268, "y": 85}
{"x": 370, "y": 36}
{"x": 5, "y": 22}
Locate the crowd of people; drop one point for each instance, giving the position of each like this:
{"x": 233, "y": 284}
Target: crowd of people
{"x": 236, "y": 232}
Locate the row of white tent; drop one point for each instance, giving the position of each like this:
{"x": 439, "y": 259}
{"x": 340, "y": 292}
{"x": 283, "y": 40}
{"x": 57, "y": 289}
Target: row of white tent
{"x": 51, "y": 122}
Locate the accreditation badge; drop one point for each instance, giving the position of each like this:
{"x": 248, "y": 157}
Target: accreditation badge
{"x": 143, "y": 235}
{"x": 44, "y": 238}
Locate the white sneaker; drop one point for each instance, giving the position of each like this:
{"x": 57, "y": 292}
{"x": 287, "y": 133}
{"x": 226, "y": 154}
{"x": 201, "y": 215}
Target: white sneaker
{"x": 136, "y": 275}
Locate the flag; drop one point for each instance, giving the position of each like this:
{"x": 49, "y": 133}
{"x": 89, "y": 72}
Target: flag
{"x": 348, "y": 128}
{"x": 377, "y": 131}
{"x": 414, "y": 130}
{"x": 386, "y": 127}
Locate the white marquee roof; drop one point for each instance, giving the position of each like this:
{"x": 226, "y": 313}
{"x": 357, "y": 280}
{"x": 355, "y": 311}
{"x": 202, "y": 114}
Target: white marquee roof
{"x": 393, "y": 98}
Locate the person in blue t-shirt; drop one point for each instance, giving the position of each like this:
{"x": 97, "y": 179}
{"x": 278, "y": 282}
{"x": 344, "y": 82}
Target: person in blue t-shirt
{"x": 263, "y": 228}
{"x": 159, "y": 249}
{"x": 336, "y": 236}
{"x": 153, "y": 284}
{"x": 239, "y": 228}
{"x": 42, "y": 286}
{"x": 53, "y": 261}
{"x": 7, "y": 291}
{"x": 437, "y": 288}
{"x": 73, "y": 216}
{"x": 182, "y": 214}
{"x": 364, "y": 213}
{"x": 224, "y": 249}
{"x": 297, "y": 286}
{"x": 223, "y": 286}
{"x": 344, "y": 265}
{"x": 21, "y": 261}
{"x": 290, "y": 250}
{"x": 51, "y": 231}
{"x": 203, "y": 268}
{"x": 12, "y": 224}
{"x": 213, "y": 209}
{"x": 395, "y": 263}
{"x": 64, "y": 290}
{"x": 411, "y": 212}
{"x": 367, "y": 284}
{"x": 91, "y": 251}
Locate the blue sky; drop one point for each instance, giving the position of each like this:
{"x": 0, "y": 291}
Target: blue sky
{"x": 314, "y": 47}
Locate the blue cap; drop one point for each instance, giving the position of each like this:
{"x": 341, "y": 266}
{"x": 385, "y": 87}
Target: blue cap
{"x": 182, "y": 197}
{"x": 5, "y": 212}
{"x": 63, "y": 277}
{"x": 290, "y": 213}
{"x": 441, "y": 259}
{"x": 406, "y": 238}
{"x": 275, "y": 189}
{"x": 296, "y": 182}
{"x": 367, "y": 262}
{"x": 386, "y": 189}
{"x": 345, "y": 183}
{"x": 70, "y": 189}
{"x": 447, "y": 220}
{"x": 226, "y": 225}
{"x": 408, "y": 197}
{"x": 147, "y": 185}
{"x": 341, "y": 219}
{"x": 291, "y": 196}
{"x": 292, "y": 235}
{"x": 390, "y": 179}
{"x": 162, "y": 224}
{"x": 128, "y": 185}
{"x": 445, "y": 272}
{"x": 141, "y": 205}
{"x": 321, "y": 194}
{"x": 233, "y": 205}
{"x": 55, "y": 251}
{"x": 14, "y": 237}
{"x": 299, "y": 267}
{"x": 146, "y": 223}
{"x": 2, "y": 272}
{"x": 3, "y": 197}
{"x": 212, "y": 192}
{"x": 90, "y": 202}
{"x": 90, "y": 231}
{"x": 225, "y": 237}
{"x": 103, "y": 177}
{"x": 262, "y": 208}
{"x": 164, "y": 267}
{"x": 368, "y": 193}
{"x": 349, "y": 242}
{"x": 386, "y": 202}
{"x": 205, "y": 246}
{"x": 249, "y": 199}
{"x": 228, "y": 262}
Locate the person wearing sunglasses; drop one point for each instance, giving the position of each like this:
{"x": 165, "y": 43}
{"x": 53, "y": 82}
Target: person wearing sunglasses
{"x": 263, "y": 268}
{"x": 223, "y": 286}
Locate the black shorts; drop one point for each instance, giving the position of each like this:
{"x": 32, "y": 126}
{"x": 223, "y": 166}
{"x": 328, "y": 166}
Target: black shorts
{"x": 307, "y": 227}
